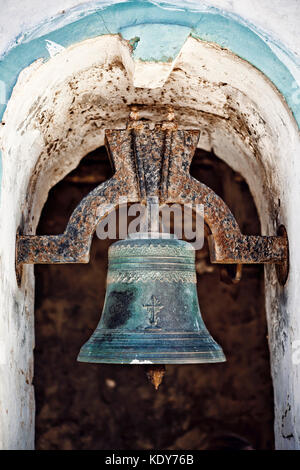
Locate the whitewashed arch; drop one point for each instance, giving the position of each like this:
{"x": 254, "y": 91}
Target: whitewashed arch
{"x": 57, "y": 114}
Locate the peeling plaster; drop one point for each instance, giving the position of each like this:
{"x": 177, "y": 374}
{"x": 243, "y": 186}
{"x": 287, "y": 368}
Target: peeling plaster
{"x": 91, "y": 19}
{"x": 206, "y": 22}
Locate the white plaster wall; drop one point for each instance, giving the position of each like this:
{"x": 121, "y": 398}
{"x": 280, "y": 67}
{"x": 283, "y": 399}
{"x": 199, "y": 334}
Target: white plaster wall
{"x": 278, "y": 19}
{"x": 58, "y": 113}
{"x": 18, "y": 16}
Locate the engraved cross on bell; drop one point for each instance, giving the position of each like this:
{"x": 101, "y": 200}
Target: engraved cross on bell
{"x": 153, "y": 308}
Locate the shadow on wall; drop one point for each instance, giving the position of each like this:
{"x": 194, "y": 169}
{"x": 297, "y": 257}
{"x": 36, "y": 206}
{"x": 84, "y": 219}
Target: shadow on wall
{"x": 87, "y": 406}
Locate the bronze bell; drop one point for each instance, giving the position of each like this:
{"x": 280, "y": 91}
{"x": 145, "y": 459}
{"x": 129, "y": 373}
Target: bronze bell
{"x": 151, "y": 313}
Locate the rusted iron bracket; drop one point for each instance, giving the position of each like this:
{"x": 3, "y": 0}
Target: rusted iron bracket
{"x": 153, "y": 161}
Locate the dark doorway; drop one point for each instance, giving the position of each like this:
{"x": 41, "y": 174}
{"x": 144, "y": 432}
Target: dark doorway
{"x": 85, "y": 406}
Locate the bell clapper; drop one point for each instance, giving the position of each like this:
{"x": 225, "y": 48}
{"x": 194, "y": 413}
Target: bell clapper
{"x": 155, "y": 374}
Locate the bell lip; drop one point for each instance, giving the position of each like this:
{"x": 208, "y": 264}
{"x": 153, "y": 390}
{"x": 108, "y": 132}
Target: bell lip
{"x": 146, "y": 346}
{"x": 121, "y": 360}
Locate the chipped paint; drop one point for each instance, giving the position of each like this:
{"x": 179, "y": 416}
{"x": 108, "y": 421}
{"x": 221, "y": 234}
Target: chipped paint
{"x": 137, "y": 361}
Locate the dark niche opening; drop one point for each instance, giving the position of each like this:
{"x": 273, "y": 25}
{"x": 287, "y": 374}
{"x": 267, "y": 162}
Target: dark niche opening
{"x": 86, "y": 406}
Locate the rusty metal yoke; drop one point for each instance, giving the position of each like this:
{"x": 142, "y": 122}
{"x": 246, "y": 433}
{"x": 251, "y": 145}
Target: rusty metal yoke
{"x": 153, "y": 161}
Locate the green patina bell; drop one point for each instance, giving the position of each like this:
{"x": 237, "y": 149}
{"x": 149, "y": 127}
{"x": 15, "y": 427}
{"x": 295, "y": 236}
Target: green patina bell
{"x": 151, "y": 313}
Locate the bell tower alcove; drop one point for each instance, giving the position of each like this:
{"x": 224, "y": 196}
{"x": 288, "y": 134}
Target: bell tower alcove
{"x": 101, "y": 406}
{"x": 55, "y": 118}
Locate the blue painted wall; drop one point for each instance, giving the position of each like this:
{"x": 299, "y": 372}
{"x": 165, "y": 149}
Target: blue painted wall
{"x": 134, "y": 18}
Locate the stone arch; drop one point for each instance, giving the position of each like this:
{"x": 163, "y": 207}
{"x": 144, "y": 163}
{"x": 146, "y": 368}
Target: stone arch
{"x": 58, "y": 113}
